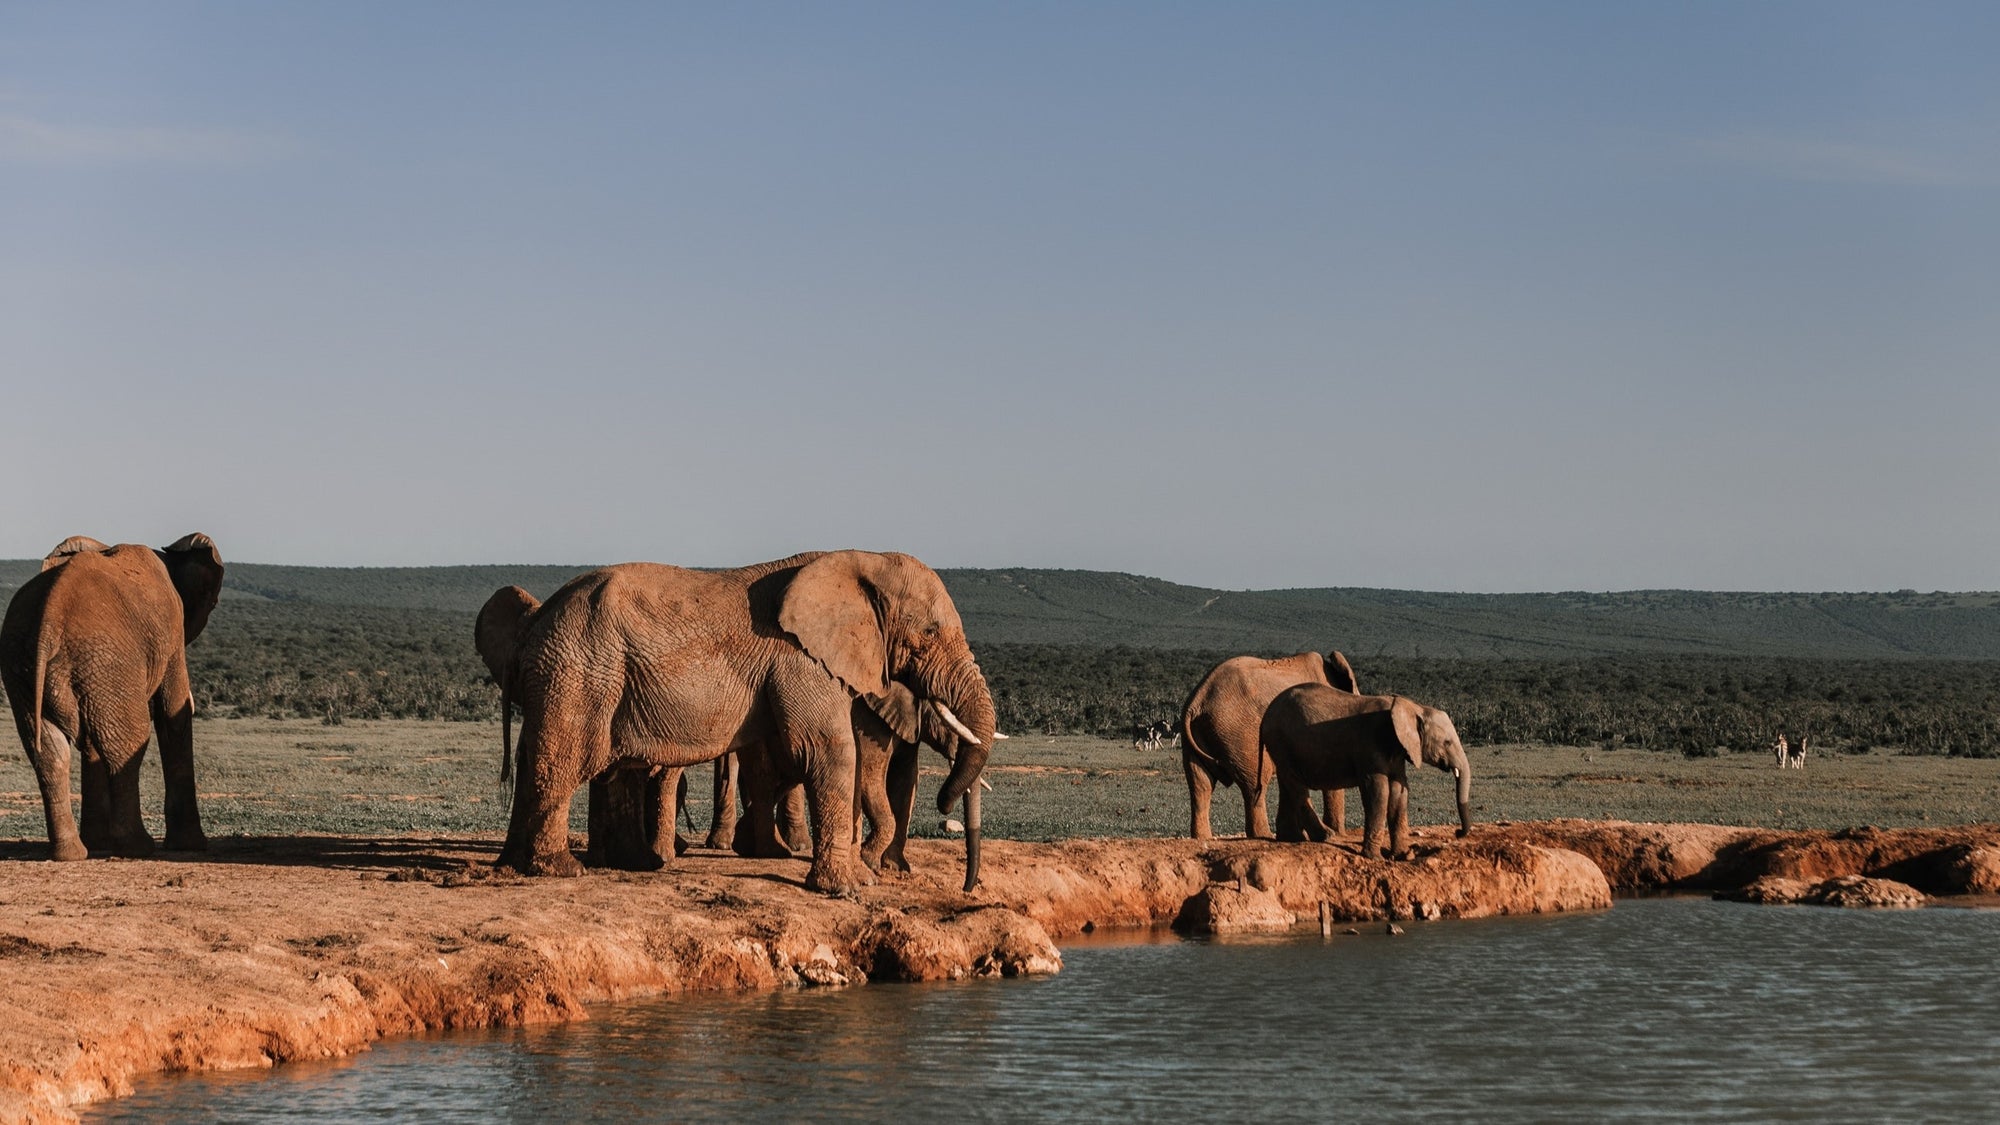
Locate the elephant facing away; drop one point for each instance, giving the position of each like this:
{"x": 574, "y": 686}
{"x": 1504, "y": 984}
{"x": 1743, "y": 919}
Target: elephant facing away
{"x": 1319, "y": 737}
{"x": 1219, "y": 732}
{"x": 93, "y": 651}
{"x": 632, "y": 809}
{"x": 673, "y": 667}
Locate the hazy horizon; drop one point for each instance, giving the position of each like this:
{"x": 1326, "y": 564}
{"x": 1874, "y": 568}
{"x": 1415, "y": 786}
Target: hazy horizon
{"x": 1452, "y": 297}
{"x": 580, "y": 568}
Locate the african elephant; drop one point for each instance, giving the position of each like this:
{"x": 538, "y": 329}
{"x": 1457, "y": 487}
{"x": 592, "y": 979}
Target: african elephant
{"x": 632, "y": 809}
{"x": 1218, "y": 732}
{"x": 1320, "y": 737}
{"x": 93, "y": 652}
{"x": 673, "y": 667}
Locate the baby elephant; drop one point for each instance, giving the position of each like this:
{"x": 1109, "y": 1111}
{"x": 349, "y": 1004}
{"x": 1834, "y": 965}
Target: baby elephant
{"x": 1320, "y": 737}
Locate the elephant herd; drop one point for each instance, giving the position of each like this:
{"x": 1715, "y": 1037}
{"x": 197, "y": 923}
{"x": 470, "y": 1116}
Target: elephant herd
{"x": 810, "y": 681}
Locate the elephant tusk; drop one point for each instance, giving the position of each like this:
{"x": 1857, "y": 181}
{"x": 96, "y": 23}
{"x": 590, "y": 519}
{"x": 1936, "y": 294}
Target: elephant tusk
{"x": 998, "y": 737}
{"x": 986, "y": 785}
{"x": 957, "y": 727}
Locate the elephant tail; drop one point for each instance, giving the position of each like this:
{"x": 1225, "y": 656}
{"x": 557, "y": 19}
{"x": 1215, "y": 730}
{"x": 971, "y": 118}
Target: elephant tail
{"x": 35, "y": 719}
{"x": 1192, "y": 748}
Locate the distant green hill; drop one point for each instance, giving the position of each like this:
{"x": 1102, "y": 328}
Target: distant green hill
{"x": 1099, "y": 608}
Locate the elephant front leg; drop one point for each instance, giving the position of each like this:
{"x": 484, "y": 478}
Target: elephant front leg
{"x": 1375, "y": 814}
{"x": 722, "y": 822}
{"x": 52, "y": 772}
{"x": 871, "y": 793}
{"x": 1399, "y": 818}
{"x": 835, "y": 867}
{"x": 1201, "y": 788}
{"x": 1296, "y": 819}
{"x": 663, "y": 799}
{"x": 622, "y": 829}
{"x": 793, "y": 820}
{"x": 173, "y": 720}
{"x": 902, "y": 793}
{"x": 756, "y": 835}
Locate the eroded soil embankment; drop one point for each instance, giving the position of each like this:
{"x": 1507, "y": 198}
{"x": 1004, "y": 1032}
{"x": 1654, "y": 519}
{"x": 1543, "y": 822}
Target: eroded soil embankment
{"x": 266, "y": 951}
{"x": 1963, "y": 860}
{"x": 271, "y": 950}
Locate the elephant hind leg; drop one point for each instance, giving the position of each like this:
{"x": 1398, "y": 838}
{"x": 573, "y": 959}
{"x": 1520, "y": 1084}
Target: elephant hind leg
{"x": 552, "y": 765}
{"x": 52, "y": 771}
{"x": 129, "y": 838}
{"x": 1201, "y": 790}
{"x": 1256, "y": 823}
{"x": 1335, "y": 802}
{"x": 113, "y": 741}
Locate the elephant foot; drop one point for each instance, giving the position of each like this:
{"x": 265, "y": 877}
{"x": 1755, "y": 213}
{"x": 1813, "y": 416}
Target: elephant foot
{"x": 681, "y": 845}
{"x": 633, "y": 861}
{"x": 562, "y": 864}
{"x": 720, "y": 841}
{"x": 186, "y": 842}
{"x": 132, "y": 847}
{"x": 838, "y": 879}
{"x": 68, "y": 851}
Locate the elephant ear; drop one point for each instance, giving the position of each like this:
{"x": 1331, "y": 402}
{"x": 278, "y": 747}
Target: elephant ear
{"x": 898, "y": 707}
{"x": 833, "y": 607}
{"x": 74, "y": 545}
{"x": 195, "y": 567}
{"x": 1340, "y": 673}
{"x": 497, "y": 631}
{"x": 1405, "y": 717}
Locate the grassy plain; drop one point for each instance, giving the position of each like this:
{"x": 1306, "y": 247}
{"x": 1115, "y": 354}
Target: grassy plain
{"x": 263, "y": 777}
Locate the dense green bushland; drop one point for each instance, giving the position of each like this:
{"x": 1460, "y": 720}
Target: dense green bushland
{"x": 1082, "y": 652}
{"x": 1693, "y": 704}
{"x": 334, "y": 663}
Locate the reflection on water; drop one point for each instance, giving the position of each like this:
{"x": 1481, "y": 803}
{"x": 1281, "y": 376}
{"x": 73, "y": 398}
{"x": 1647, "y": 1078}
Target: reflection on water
{"x": 1669, "y": 1009}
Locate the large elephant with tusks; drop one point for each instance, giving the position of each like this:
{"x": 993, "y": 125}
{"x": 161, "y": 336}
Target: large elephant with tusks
{"x": 672, "y": 667}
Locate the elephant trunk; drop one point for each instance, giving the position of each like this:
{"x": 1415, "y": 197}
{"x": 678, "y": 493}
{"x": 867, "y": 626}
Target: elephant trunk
{"x": 963, "y": 693}
{"x": 1463, "y": 770}
{"x": 971, "y": 838}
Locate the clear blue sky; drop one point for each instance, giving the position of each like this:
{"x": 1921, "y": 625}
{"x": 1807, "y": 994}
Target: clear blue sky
{"x": 1444, "y": 296}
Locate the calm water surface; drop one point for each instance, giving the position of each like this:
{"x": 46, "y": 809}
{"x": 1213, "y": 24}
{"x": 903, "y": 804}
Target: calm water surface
{"x": 1660, "y": 1009}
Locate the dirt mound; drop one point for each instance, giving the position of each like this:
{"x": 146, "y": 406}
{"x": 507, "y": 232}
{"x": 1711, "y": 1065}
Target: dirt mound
{"x": 1844, "y": 890}
{"x": 1936, "y": 861}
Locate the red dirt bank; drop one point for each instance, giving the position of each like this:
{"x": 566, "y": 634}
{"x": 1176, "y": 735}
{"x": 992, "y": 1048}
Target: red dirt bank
{"x": 273, "y": 950}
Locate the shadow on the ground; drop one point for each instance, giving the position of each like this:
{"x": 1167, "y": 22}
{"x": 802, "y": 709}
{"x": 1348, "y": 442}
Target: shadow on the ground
{"x": 355, "y": 853}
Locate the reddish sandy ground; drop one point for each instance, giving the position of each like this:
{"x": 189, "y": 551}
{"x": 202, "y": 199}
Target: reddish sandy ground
{"x": 269, "y": 950}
